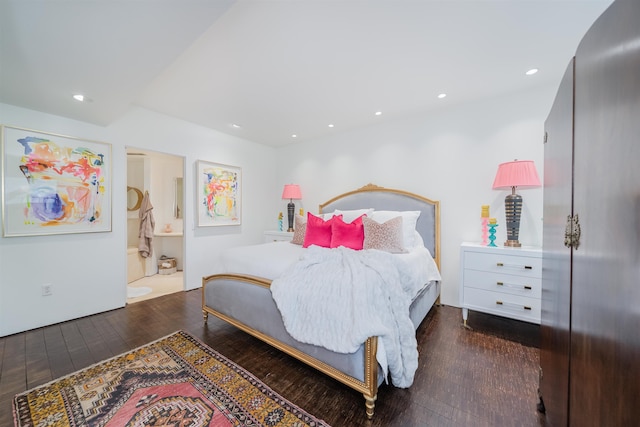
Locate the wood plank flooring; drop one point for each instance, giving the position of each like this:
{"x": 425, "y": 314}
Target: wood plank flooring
{"x": 487, "y": 376}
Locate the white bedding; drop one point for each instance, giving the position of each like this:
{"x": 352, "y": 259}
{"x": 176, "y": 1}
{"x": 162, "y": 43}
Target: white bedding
{"x": 377, "y": 299}
{"x": 270, "y": 260}
{"x": 337, "y": 298}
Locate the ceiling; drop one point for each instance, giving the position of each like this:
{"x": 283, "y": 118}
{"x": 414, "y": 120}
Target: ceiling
{"x": 280, "y": 67}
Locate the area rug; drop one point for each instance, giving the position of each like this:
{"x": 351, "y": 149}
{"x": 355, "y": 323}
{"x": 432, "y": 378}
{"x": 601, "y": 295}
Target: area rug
{"x": 133, "y": 292}
{"x": 175, "y": 381}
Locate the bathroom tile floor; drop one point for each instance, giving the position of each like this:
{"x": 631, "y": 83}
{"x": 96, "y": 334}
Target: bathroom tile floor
{"x": 160, "y": 284}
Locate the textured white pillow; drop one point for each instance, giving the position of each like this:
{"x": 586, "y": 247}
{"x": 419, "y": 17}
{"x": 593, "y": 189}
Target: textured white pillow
{"x": 303, "y": 218}
{"x": 409, "y": 220}
{"x": 350, "y": 215}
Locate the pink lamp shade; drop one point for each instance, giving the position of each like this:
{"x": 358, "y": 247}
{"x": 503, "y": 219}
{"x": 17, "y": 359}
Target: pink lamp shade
{"x": 292, "y": 192}
{"x": 519, "y": 173}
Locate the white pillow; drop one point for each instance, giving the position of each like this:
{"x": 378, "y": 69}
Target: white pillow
{"x": 303, "y": 218}
{"x": 350, "y": 215}
{"x": 419, "y": 241}
{"x": 409, "y": 220}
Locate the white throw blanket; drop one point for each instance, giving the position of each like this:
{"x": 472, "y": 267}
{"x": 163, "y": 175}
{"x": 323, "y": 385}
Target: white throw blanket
{"x": 337, "y": 298}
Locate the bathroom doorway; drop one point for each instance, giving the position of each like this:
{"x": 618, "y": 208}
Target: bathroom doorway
{"x": 154, "y": 179}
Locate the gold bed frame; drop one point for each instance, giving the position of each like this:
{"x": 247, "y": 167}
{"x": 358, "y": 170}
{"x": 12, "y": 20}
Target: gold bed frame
{"x": 368, "y": 387}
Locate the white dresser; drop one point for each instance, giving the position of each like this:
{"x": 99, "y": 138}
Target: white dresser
{"x": 277, "y": 236}
{"x": 502, "y": 281}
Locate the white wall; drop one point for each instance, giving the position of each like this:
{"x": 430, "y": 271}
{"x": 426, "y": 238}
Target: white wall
{"x": 451, "y": 156}
{"x": 87, "y": 271}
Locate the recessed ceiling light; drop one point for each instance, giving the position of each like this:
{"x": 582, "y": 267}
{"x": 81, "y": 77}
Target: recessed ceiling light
{"x": 78, "y": 97}
{"x": 294, "y": 136}
{"x": 442, "y": 95}
{"x": 331, "y": 125}
{"x": 531, "y": 72}
{"x": 236, "y": 126}
{"x": 378, "y": 113}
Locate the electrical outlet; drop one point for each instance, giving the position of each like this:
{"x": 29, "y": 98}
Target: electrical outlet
{"x": 47, "y": 290}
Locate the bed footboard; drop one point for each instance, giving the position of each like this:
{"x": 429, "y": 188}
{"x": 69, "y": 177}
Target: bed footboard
{"x": 246, "y": 303}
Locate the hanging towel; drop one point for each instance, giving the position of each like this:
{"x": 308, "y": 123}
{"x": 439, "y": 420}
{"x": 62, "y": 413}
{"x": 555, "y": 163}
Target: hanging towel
{"x": 147, "y": 224}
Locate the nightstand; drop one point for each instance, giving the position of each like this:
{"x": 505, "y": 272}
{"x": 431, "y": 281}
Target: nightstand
{"x": 278, "y": 236}
{"x": 501, "y": 280}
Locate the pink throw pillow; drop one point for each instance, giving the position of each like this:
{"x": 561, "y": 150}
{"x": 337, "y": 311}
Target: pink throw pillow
{"x": 349, "y": 235}
{"x": 318, "y": 231}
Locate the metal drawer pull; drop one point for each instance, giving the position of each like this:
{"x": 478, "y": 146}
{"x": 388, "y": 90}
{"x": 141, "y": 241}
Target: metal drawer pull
{"x": 527, "y": 287}
{"x": 526, "y": 267}
{"x": 513, "y": 305}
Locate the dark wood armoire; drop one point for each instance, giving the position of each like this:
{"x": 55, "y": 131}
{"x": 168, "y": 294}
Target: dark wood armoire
{"x": 590, "y": 331}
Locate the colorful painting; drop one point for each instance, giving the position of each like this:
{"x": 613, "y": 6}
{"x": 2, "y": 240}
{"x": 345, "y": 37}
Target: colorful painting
{"x": 219, "y": 198}
{"x": 54, "y": 184}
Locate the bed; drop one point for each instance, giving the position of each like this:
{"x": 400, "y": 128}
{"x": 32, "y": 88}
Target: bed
{"x": 243, "y": 294}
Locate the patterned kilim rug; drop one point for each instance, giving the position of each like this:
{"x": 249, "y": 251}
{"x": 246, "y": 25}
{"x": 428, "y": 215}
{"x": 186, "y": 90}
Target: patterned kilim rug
{"x": 175, "y": 381}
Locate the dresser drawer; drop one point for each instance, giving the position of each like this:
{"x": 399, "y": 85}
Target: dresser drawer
{"x": 504, "y": 283}
{"x": 502, "y": 304}
{"x": 503, "y": 264}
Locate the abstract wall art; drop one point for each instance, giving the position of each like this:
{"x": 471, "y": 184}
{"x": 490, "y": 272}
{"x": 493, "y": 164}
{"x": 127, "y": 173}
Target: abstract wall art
{"x": 218, "y": 194}
{"x": 54, "y": 184}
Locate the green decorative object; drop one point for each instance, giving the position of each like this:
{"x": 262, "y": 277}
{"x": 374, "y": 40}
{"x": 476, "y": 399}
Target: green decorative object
{"x": 492, "y": 235}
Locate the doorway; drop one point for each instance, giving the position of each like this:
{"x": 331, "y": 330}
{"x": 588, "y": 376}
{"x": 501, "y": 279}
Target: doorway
{"x": 155, "y": 179}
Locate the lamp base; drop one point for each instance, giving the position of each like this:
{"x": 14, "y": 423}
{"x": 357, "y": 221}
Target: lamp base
{"x": 513, "y": 210}
{"x": 290, "y": 208}
{"x": 512, "y": 243}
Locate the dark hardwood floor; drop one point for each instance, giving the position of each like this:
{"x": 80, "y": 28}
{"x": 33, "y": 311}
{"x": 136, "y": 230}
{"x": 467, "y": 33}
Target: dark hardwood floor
{"x": 487, "y": 376}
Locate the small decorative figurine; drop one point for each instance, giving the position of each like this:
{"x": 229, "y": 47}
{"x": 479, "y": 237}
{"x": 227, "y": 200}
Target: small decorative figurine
{"x": 492, "y": 232}
{"x": 484, "y": 218}
{"x": 280, "y": 221}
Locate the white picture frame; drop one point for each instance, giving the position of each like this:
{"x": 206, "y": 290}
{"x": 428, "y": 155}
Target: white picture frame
{"x": 218, "y": 194}
{"x": 54, "y": 184}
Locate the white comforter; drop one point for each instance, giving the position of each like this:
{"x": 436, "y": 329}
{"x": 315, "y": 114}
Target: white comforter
{"x": 270, "y": 260}
{"x": 337, "y": 298}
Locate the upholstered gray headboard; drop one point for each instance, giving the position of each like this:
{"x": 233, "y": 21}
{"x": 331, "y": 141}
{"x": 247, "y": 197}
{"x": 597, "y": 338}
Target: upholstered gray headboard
{"x": 379, "y": 198}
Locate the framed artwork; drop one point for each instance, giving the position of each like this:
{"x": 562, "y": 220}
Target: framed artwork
{"x": 219, "y": 194}
{"x": 54, "y": 184}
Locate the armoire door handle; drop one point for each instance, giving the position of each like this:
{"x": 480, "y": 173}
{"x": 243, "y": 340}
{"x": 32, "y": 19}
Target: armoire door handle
{"x": 572, "y": 232}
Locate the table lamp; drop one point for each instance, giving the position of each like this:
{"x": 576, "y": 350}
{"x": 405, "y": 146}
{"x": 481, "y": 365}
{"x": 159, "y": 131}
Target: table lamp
{"x": 291, "y": 192}
{"x": 510, "y": 175}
